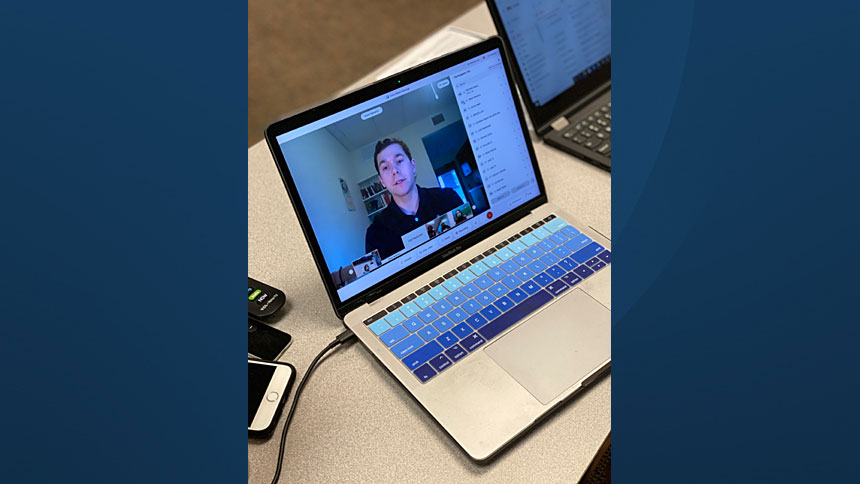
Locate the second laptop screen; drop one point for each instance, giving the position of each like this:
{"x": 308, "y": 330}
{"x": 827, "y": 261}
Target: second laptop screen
{"x": 394, "y": 179}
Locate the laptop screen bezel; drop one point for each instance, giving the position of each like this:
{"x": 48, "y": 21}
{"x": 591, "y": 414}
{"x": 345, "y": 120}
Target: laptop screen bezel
{"x": 369, "y": 92}
{"x": 542, "y": 116}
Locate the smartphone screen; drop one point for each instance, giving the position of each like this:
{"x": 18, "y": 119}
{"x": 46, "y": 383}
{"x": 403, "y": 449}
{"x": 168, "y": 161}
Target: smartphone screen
{"x": 258, "y": 381}
{"x": 266, "y": 342}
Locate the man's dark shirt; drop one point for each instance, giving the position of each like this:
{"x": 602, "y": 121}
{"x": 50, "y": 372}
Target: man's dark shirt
{"x": 384, "y": 234}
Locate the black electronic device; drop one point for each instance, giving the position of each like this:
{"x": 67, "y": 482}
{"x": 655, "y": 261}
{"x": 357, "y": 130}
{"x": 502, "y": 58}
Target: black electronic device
{"x": 268, "y": 388}
{"x": 263, "y": 299}
{"x": 266, "y": 342}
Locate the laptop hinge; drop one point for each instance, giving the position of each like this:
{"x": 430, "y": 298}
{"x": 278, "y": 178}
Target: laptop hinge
{"x": 560, "y": 123}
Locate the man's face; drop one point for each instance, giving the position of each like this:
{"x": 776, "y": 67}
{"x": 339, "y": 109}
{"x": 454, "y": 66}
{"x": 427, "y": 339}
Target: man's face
{"x": 396, "y": 170}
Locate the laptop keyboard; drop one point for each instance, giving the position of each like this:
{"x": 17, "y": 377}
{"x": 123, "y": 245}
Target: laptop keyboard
{"x": 444, "y": 321}
{"x": 593, "y": 131}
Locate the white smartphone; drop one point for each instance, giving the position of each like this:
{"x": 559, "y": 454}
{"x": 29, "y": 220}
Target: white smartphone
{"x": 268, "y": 388}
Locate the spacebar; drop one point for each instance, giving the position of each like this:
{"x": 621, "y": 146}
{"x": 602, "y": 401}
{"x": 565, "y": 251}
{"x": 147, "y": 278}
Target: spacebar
{"x": 517, "y": 313}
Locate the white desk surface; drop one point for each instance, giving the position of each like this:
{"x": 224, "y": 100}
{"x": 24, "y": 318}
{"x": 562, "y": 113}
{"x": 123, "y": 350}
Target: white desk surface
{"x": 354, "y": 423}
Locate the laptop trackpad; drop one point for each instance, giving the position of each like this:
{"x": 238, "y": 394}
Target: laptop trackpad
{"x": 557, "y": 347}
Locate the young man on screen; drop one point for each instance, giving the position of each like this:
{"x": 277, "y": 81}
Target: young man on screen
{"x": 411, "y": 207}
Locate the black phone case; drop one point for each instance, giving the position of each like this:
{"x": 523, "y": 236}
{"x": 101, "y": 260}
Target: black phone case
{"x": 266, "y": 432}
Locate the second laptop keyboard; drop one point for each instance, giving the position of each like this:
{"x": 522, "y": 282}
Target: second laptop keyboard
{"x": 444, "y": 321}
{"x": 593, "y": 131}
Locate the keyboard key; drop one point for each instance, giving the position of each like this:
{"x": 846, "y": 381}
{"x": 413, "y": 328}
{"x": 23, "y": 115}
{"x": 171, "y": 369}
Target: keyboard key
{"x": 529, "y": 240}
{"x": 524, "y": 274}
{"x": 542, "y": 279}
{"x": 578, "y": 242}
{"x": 512, "y": 281}
{"x": 471, "y": 306}
{"x": 598, "y": 266}
{"x": 379, "y": 326}
{"x": 367, "y": 321}
{"x": 559, "y": 238}
{"x": 438, "y": 292}
{"x": 394, "y": 335}
{"x": 422, "y": 355}
{"x": 537, "y": 266}
{"x": 479, "y": 268}
{"x": 492, "y": 261}
{"x": 570, "y": 279}
{"x": 483, "y": 282}
{"x": 548, "y": 259}
{"x": 517, "y": 295}
{"x": 470, "y": 290}
{"x": 440, "y": 362}
{"x": 510, "y": 266}
{"x": 522, "y": 259}
{"x": 472, "y": 342}
{"x": 517, "y": 246}
{"x": 530, "y": 287}
{"x": 503, "y": 303}
{"x": 452, "y": 284}
{"x": 476, "y": 321}
{"x": 546, "y": 245}
{"x": 443, "y": 324}
{"x": 428, "y": 332}
{"x": 496, "y": 274}
{"x": 442, "y": 307}
{"x": 498, "y": 290}
{"x": 485, "y": 298}
{"x": 534, "y": 252}
{"x": 556, "y": 287}
{"x": 455, "y": 352}
{"x": 567, "y": 264}
{"x": 511, "y": 317}
{"x": 447, "y": 339}
{"x": 587, "y": 252}
{"x": 465, "y": 277}
{"x": 561, "y": 252}
{"x": 462, "y": 330}
{"x": 555, "y": 271}
{"x": 570, "y": 231}
{"x": 583, "y": 271}
{"x": 605, "y": 256}
{"x": 555, "y": 225}
{"x": 410, "y": 344}
{"x": 428, "y": 315}
{"x": 504, "y": 253}
{"x": 394, "y": 318}
{"x": 490, "y": 312}
{"x": 456, "y": 298}
{"x": 541, "y": 233}
{"x": 457, "y": 315}
{"x": 410, "y": 309}
{"x": 425, "y": 373}
{"x": 424, "y": 301}
{"x": 413, "y": 324}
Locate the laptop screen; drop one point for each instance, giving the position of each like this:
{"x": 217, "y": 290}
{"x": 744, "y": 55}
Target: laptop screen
{"x": 557, "y": 43}
{"x": 392, "y": 180}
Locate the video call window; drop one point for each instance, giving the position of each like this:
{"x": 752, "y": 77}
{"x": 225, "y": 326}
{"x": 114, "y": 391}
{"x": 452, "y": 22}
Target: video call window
{"x": 381, "y": 182}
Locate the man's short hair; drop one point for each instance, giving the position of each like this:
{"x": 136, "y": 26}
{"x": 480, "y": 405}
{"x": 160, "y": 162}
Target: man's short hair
{"x": 381, "y": 145}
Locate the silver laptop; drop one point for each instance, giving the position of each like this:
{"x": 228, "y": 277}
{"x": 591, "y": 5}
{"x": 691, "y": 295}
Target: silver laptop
{"x": 423, "y": 205}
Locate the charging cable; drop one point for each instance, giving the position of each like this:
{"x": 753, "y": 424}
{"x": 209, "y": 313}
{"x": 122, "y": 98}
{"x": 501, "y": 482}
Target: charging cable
{"x": 341, "y": 339}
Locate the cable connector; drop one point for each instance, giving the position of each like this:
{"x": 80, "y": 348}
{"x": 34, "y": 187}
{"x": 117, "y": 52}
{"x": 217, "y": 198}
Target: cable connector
{"x": 345, "y": 336}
